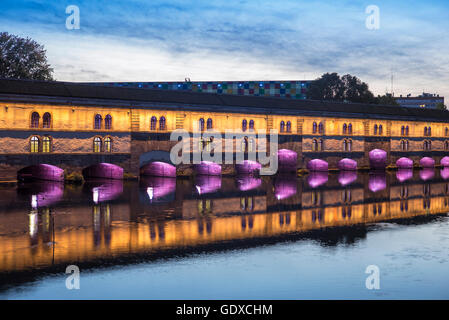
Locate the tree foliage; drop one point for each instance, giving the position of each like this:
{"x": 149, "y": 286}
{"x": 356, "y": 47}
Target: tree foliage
{"x": 441, "y": 106}
{"x": 348, "y": 88}
{"x": 22, "y": 58}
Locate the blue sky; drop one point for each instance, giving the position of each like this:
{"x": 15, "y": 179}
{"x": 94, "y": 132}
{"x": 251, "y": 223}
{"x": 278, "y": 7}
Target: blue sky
{"x": 138, "y": 40}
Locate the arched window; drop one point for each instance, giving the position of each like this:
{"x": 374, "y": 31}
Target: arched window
{"x": 244, "y": 125}
{"x": 46, "y": 144}
{"x": 153, "y": 123}
{"x": 314, "y": 145}
{"x": 321, "y": 128}
{"x": 46, "y": 120}
{"x": 209, "y": 123}
{"x": 425, "y": 131}
{"x": 107, "y": 144}
{"x": 289, "y": 126}
{"x": 406, "y": 131}
{"x": 108, "y": 122}
{"x": 380, "y": 129}
{"x": 98, "y": 120}
{"x": 345, "y": 128}
{"x": 345, "y": 145}
{"x": 402, "y": 130}
{"x": 251, "y": 124}
{"x": 321, "y": 145}
{"x": 375, "y": 129}
{"x": 245, "y": 144}
{"x": 282, "y": 126}
{"x": 406, "y": 145}
{"x": 314, "y": 127}
{"x": 201, "y": 124}
{"x": 35, "y": 120}
{"x": 402, "y": 144}
{"x": 162, "y": 123}
{"x": 350, "y": 128}
{"x": 251, "y": 145}
{"x": 430, "y": 145}
{"x": 429, "y": 131}
{"x": 34, "y": 144}
{"x": 349, "y": 145}
{"x": 97, "y": 144}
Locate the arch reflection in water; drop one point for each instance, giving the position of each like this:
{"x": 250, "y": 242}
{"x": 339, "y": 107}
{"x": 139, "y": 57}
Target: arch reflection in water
{"x": 317, "y": 179}
{"x": 345, "y": 178}
{"x": 444, "y": 173}
{"x": 42, "y": 194}
{"x": 248, "y": 182}
{"x": 427, "y": 174}
{"x": 404, "y": 163}
{"x": 207, "y": 184}
{"x": 377, "y": 181}
{"x": 158, "y": 189}
{"x": 285, "y": 187}
{"x": 347, "y": 164}
{"x": 105, "y": 190}
{"x": 404, "y": 174}
{"x": 248, "y": 167}
{"x": 445, "y": 161}
{"x": 427, "y": 162}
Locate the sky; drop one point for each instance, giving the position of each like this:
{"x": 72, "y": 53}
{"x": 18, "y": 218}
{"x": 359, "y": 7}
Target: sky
{"x": 137, "y": 40}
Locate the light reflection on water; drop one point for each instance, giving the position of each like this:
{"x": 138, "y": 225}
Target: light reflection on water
{"x": 321, "y": 231}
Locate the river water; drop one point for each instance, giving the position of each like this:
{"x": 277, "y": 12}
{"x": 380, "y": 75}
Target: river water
{"x": 313, "y": 237}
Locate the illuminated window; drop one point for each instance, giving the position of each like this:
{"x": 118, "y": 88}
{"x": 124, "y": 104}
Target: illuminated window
{"x": 209, "y": 123}
{"x": 108, "y": 122}
{"x": 314, "y": 145}
{"x": 162, "y": 123}
{"x": 314, "y": 127}
{"x": 97, "y": 144}
{"x": 282, "y": 126}
{"x": 46, "y": 144}
{"x": 350, "y": 128}
{"x": 34, "y": 144}
{"x": 380, "y": 130}
{"x": 251, "y": 146}
{"x": 345, "y": 128}
{"x": 375, "y": 129}
{"x": 406, "y": 131}
{"x": 107, "y": 144}
{"x": 153, "y": 123}
{"x": 46, "y": 120}
{"x": 98, "y": 120}
{"x": 244, "y": 125}
{"x": 245, "y": 144}
{"x": 201, "y": 124}
{"x": 251, "y": 124}
{"x": 289, "y": 126}
{"x": 321, "y": 145}
{"x": 402, "y": 130}
{"x": 321, "y": 128}
{"x": 35, "y": 120}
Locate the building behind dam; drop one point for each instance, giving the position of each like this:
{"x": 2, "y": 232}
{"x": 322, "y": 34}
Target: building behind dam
{"x": 73, "y": 126}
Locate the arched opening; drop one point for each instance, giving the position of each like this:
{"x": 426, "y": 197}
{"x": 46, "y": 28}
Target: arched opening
{"x": 209, "y": 124}
{"x": 345, "y": 128}
{"x": 34, "y": 144}
{"x": 162, "y": 123}
{"x": 251, "y": 124}
{"x": 35, "y": 120}
{"x": 314, "y": 127}
{"x": 97, "y": 144}
{"x": 46, "y": 120}
{"x": 46, "y": 144}
{"x": 107, "y": 144}
{"x": 108, "y": 122}
{"x": 289, "y": 126}
{"x": 201, "y": 124}
{"x": 98, "y": 120}
{"x": 153, "y": 123}
{"x": 282, "y": 126}
{"x": 244, "y": 125}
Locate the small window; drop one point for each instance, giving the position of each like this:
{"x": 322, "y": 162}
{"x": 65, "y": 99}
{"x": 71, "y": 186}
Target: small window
{"x": 321, "y": 145}
{"x": 153, "y": 123}
{"x": 350, "y": 128}
{"x": 35, "y": 120}
{"x": 321, "y": 128}
{"x": 289, "y": 126}
{"x": 244, "y": 125}
{"x": 46, "y": 120}
{"x": 402, "y": 130}
{"x": 282, "y": 126}
{"x": 245, "y": 144}
{"x": 314, "y": 145}
{"x": 46, "y": 144}
{"x": 209, "y": 123}
{"x": 98, "y": 120}
{"x": 201, "y": 124}
{"x": 97, "y": 144}
{"x": 251, "y": 124}
{"x": 406, "y": 131}
{"x": 425, "y": 131}
{"x": 314, "y": 127}
{"x": 345, "y": 128}
{"x": 107, "y": 144}
{"x": 375, "y": 129}
{"x": 162, "y": 123}
{"x": 34, "y": 144}
{"x": 108, "y": 122}
{"x": 251, "y": 145}
{"x": 380, "y": 130}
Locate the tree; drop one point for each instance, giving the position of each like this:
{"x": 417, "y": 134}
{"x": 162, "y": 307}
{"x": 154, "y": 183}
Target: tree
{"x": 332, "y": 87}
{"x": 386, "y": 99}
{"x": 22, "y": 58}
{"x": 441, "y": 106}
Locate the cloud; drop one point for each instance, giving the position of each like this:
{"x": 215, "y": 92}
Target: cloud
{"x": 213, "y": 40}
